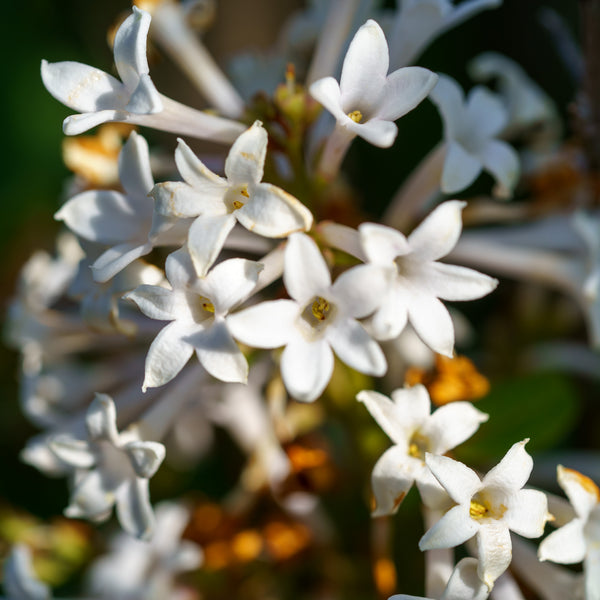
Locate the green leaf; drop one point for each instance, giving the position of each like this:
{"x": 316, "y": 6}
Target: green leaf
{"x": 542, "y": 406}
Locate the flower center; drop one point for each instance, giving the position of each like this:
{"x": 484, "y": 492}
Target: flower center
{"x": 320, "y": 308}
{"x": 418, "y": 445}
{"x": 237, "y": 197}
{"x": 482, "y": 507}
{"x": 356, "y": 116}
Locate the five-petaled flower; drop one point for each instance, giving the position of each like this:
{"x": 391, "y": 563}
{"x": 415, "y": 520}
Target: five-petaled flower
{"x": 408, "y": 421}
{"x": 110, "y": 468}
{"x": 488, "y": 508}
{"x": 219, "y": 203}
{"x": 367, "y": 100}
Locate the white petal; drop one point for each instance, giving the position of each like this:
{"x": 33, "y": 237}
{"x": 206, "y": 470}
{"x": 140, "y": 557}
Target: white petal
{"x": 513, "y": 471}
{"x": 494, "y": 549}
{"x": 266, "y": 325}
{"x": 404, "y": 89}
{"x": 179, "y": 269}
{"x": 582, "y": 492}
{"x": 382, "y": 244}
{"x": 527, "y": 513}
{"x": 502, "y": 161}
{"x": 448, "y": 96}
{"x": 432, "y": 322}
{"x": 134, "y": 168}
{"x": 246, "y": 159}
{"x": 391, "y": 418}
{"x": 228, "y": 283}
{"x": 20, "y": 582}
{"x": 101, "y": 419}
{"x": 327, "y": 92}
{"x": 485, "y": 112}
{"x": 393, "y": 476}
{"x": 156, "y": 302}
{"x": 206, "y": 238}
{"x": 83, "y": 88}
{"x": 306, "y": 273}
{"x": 354, "y": 346}
{"x": 451, "y": 282}
{"x": 358, "y": 291}
{"x": 452, "y": 424}
{"x": 454, "y": 528}
{"x": 464, "y": 583}
{"x": 134, "y": 510}
{"x": 461, "y": 168}
{"x": 219, "y": 354}
{"x": 192, "y": 169}
{"x": 390, "y": 319}
{"x": 115, "y": 259}
{"x": 167, "y": 355}
{"x": 306, "y": 368}
{"x": 437, "y": 235}
{"x": 102, "y": 216}
{"x": 130, "y": 47}
{"x": 145, "y": 457}
{"x": 364, "y": 70}
{"x": 76, "y": 453}
{"x": 90, "y": 498}
{"x": 145, "y": 99}
{"x": 591, "y": 573}
{"x": 458, "y": 480}
{"x": 76, "y": 124}
{"x": 178, "y": 199}
{"x": 375, "y": 131}
{"x": 272, "y": 212}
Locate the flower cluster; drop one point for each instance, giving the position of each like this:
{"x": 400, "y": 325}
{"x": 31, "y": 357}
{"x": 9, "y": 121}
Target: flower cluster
{"x": 241, "y": 255}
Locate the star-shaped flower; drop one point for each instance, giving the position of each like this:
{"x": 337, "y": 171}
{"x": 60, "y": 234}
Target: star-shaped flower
{"x": 471, "y": 129}
{"x": 367, "y": 100}
{"x": 321, "y": 316}
{"x": 220, "y": 202}
{"x": 196, "y": 308}
{"x": 415, "y": 279}
{"x": 408, "y": 421}
{"x": 126, "y": 221}
{"x": 101, "y": 98}
{"x": 111, "y": 468}
{"x": 464, "y": 584}
{"x": 579, "y": 539}
{"x": 488, "y": 508}
{"x": 146, "y": 570}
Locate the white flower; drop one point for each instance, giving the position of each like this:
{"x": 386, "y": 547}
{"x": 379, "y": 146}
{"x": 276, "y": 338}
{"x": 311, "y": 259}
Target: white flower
{"x": 110, "y": 468}
{"x": 196, "y": 308}
{"x": 464, "y": 584}
{"x": 320, "y": 316}
{"x": 20, "y": 582}
{"x": 415, "y": 280}
{"x": 127, "y": 221}
{"x": 579, "y": 539}
{"x": 142, "y": 570}
{"x": 418, "y": 22}
{"x": 367, "y": 100}
{"x": 488, "y": 508}
{"x": 526, "y": 103}
{"x": 100, "y": 98}
{"x": 219, "y": 203}
{"x": 408, "y": 421}
{"x": 471, "y": 128}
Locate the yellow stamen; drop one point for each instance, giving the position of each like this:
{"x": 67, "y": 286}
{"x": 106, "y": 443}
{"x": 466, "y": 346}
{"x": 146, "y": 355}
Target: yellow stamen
{"x": 413, "y": 450}
{"x": 478, "y": 510}
{"x": 237, "y": 204}
{"x": 356, "y": 116}
{"x": 244, "y": 192}
{"x": 208, "y": 306}
{"x": 320, "y": 308}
